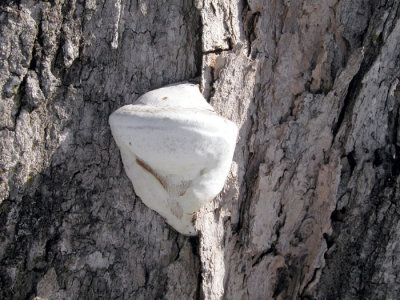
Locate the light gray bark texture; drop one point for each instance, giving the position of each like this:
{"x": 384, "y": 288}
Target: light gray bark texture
{"x": 311, "y": 207}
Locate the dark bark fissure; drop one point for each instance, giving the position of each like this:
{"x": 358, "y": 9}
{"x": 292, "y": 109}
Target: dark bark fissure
{"x": 346, "y": 244}
{"x": 373, "y": 45}
{"x": 249, "y": 21}
{"x": 356, "y": 85}
{"x": 260, "y": 257}
{"x": 195, "y": 244}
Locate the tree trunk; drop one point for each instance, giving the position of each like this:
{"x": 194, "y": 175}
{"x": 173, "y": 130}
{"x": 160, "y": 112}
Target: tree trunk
{"x": 310, "y": 209}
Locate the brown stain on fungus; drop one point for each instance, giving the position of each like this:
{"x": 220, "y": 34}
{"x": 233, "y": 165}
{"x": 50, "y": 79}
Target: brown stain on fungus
{"x": 194, "y": 218}
{"x": 148, "y": 169}
{"x": 164, "y": 98}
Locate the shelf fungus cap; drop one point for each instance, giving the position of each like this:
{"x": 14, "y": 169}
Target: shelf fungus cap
{"x": 176, "y": 150}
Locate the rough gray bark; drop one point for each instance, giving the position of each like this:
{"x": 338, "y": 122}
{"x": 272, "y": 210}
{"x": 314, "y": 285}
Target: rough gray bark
{"x": 71, "y": 225}
{"x": 311, "y": 207}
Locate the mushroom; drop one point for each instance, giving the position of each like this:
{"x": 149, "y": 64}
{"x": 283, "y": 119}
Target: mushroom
{"x": 176, "y": 150}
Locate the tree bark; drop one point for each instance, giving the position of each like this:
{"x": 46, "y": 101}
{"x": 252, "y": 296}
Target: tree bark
{"x": 310, "y": 209}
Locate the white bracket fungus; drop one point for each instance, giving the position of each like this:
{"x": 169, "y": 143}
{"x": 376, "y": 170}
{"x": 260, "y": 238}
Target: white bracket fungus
{"x": 176, "y": 150}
